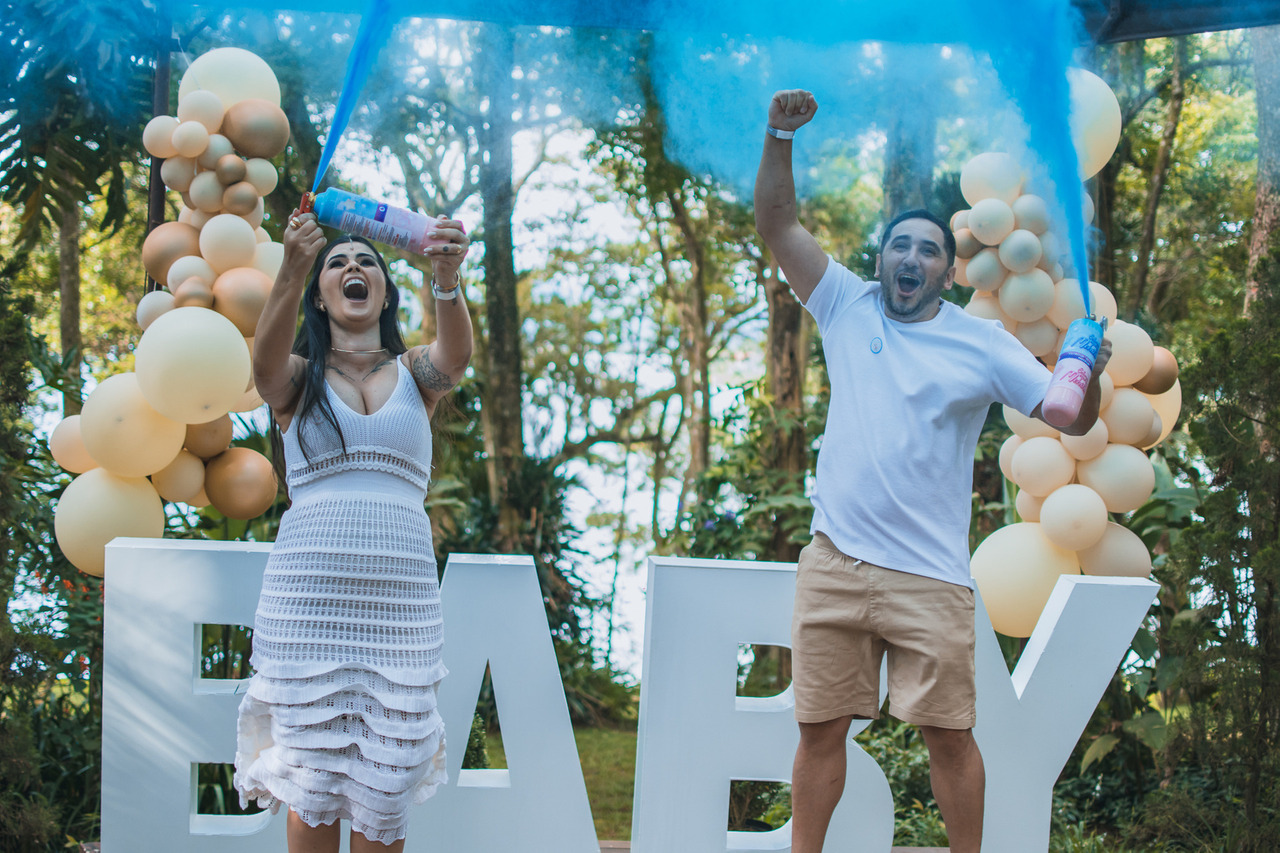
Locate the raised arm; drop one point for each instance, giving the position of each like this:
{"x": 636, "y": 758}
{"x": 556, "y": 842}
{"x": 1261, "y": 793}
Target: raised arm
{"x": 801, "y": 258}
{"x": 438, "y": 367}
{"x": 277, "y": 371}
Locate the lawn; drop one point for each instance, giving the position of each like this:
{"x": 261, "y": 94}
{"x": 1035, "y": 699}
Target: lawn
{"x": 608, "y": 759}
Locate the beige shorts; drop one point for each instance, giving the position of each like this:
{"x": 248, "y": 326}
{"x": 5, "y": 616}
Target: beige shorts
{"x": 849, "y": 614}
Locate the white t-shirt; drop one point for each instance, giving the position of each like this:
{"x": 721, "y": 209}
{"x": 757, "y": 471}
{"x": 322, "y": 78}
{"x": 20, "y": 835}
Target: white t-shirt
{"x": 908, "y": 400}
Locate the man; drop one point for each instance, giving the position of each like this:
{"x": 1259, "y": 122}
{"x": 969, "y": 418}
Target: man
{"x": 912, "y": 378}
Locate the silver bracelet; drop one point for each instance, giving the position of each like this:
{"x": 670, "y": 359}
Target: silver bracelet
{"x": 449, "y": 295}
{"x": 778, "y": 134}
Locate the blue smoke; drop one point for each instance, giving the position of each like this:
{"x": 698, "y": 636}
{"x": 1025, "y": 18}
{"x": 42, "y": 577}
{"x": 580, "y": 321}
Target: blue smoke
{"x": 717, "y": 63}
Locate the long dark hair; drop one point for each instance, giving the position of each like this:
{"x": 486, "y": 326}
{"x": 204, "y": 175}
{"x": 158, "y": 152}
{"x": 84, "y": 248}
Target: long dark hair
{"x": 312, "y": 343}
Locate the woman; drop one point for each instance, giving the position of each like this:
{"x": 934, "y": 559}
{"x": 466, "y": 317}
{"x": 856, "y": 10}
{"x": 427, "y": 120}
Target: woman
{"x": 340, "y": 718}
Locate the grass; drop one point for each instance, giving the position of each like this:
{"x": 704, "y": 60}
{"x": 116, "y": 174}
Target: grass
{"x": 608, "y": 759}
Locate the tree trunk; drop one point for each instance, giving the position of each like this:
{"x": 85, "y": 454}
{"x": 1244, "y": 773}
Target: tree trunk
{"x": 696, "y": 344}
{"x": 1155, "y": 186}
{"x": 69, "y": 313}
{"x": 502, "y": 391}
{"x": 909, "y": 160}
{"x": 787, "y": 350}
{"x": 1266, "y": 72}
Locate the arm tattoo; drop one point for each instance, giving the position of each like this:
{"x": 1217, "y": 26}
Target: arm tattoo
{"x": 429, "y": 377}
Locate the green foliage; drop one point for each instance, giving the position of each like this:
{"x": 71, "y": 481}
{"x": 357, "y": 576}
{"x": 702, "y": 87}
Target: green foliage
{"x": 747, "y": 501}
{"x": 1227, "y": 647}
{"x": 76, "y": 89}
{"x": 476, "y": 755}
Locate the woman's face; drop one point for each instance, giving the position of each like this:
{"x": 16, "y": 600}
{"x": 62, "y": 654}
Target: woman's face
{"x": 353, "y": 288}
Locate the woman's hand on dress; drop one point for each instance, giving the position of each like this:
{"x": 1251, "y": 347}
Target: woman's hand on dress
{"x": 447, "y": 251}
{"x": 302, "y": 242}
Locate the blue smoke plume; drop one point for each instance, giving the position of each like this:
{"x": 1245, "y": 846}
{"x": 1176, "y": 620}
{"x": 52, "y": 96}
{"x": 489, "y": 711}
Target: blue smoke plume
{"x": 718, "y": 62}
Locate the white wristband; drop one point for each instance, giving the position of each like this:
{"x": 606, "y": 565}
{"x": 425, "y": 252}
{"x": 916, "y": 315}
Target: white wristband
{"x": 449, "y": 295}
{"x": 778, "y": 134}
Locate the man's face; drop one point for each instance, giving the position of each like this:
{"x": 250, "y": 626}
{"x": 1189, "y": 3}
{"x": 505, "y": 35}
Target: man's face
{"x": 914, "y": 270}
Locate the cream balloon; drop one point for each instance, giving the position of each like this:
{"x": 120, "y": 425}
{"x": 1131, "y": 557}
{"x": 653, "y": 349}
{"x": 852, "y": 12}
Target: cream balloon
{"x": 249, "y": 401}
{"x": 180, "y": 480}
{"x": 152, "y": 305}
{"x": 1095, "y": 120}
{"x": 190, "y": 266}
{"x": 959, "y": 220}
{"x": 219, "y": 147}
{"x": 1121, "y": 474}
{"x": 190, "y": 139}
{"x": 967, "y": 245}
{"x": 66, "y": 444}
{"x": 1107, "y": 389}
{"x": 233, "y": 74}
{"x": 987, "y": 307}
{"x": 1086, "y": 202}
{"x": 1128, "y": 418}
{"x": 1153, "y": 432}
{"x": 206, "y": 193}
{"x": 991, "y": 220}
{"x": 267, "y": 257}
{"x": 157, "y": 137}
{"x": 991, "y": 175}
{"x": 1073, "y": 517}
{"x": 1007, "y": 449}
{"x": 1015, "y": 570}
{"x": 1119, "y": 553}
{"x": 1027, "y": 296}
{"x": 1031, "y": 212}
{"x": 1042, "y": 465}
{"x": 1068, "y": 303}
{"x": 1027, "y": 505}
{"x": 1025, "y": 426}
{"x": 1020, "y": 251}
{"x": 124, "y": 433}
{"x": 1089, "y": 445}
{"x": 1132, "y": 352}
{"x": 1040, "y": 337}
{"x": 227, "y": 242}
{"x": 97, "y": 507}
{"x": 1168, "y": 406}
{"x": 985, "y": 272}
{"x": 202, "y": 106}
{"x": 261, "y": 174}
{"x": 192, "y": 365}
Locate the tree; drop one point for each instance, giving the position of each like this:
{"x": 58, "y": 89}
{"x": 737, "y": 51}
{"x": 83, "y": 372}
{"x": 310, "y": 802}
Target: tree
{"x": 76, "y": 84}
{"x": 1266, "y": 66}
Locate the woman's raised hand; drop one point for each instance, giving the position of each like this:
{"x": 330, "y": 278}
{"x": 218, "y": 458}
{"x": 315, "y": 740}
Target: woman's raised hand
{"x": 447, "y": 250}
{"x": 302, "y": 242}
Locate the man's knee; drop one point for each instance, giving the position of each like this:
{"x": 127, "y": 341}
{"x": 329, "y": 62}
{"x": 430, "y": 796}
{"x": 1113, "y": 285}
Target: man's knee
{"x": 949, "y": 744}
{"x": 825, "y": 735}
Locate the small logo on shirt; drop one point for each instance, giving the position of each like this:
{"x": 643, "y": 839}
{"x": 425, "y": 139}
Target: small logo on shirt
{"x": 876, "y": 345}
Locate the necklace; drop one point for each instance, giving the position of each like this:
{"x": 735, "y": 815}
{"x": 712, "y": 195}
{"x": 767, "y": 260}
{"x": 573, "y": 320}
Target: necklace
{"x": 359, "y": 351}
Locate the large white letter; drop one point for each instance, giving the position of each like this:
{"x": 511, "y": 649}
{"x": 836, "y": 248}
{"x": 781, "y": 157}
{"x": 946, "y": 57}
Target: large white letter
{"x": 161, "y": 719}
{"x": 1028, "y": 724}
{"x": 493, "y": 613}
{"x": 696, "y": 734}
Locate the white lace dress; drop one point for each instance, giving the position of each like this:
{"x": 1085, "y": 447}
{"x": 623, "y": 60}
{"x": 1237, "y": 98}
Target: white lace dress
{"x": 340, "y": 717}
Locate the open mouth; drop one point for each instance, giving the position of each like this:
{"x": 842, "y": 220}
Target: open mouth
{"x": 908, "y": 283}
{"x": 355, "y": 289}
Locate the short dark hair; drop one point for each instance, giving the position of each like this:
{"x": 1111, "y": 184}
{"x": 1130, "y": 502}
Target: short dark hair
{"x": 948, "y": 239}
